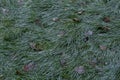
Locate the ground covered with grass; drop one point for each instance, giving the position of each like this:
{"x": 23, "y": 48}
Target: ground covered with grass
{"x": 59, "y": 39}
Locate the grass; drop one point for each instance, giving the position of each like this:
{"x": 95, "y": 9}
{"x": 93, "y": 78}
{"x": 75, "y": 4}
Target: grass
{"x": 59, "y": 40}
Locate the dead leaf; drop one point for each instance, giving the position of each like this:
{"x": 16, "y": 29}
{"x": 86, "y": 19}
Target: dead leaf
{"x": 37, "y": 21}
{"x": 106, "y": 28}
{"x": 85, "y": 39}
{"x": 103, "y": 29}
{"x": 66, "y": 9}
{"x": 18, "y": 72}
{"x": 62, "y": 62}
{"x": 29, "y": 66}
{"x": 61, "y": 33}
{"x": 20, "y": 1}
{"x": 80, "y": 12}
{"x": 5, "y": 11}
{"x": 98, "y": 69}
{"x": 76, "y": 20}
{"x": 94, "y": 62}
{"x": 1, "y": 75}
{"x": 55, "y": 19}
{"x": 34, "y": 47}
{"x": 102, "y": 47}
{"x": 106, "y": 19}
{"x": 79, "y": 69}
{"x": 89, "y": 33}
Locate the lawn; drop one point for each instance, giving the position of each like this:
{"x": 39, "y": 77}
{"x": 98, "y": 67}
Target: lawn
{"x": 59, "y": 39}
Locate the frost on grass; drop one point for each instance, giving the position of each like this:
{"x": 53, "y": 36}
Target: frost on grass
{"x": 43, "y": 31}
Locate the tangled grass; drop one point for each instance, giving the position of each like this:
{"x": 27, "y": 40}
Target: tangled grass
{"x": 59, "y": 40}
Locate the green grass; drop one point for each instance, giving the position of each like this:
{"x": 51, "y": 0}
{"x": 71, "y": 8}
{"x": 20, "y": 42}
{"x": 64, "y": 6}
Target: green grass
{"x": 48, "y": 39}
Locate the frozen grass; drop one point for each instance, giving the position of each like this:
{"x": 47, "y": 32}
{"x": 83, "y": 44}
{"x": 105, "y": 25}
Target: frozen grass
{"x": 59, "y": 40}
